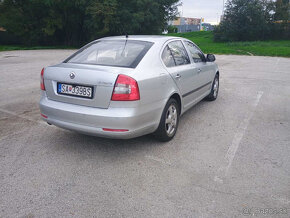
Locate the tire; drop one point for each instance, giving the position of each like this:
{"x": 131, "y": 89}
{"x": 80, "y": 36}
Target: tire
{"x": 214, "y": 89}
{"x": 169, "y": 122}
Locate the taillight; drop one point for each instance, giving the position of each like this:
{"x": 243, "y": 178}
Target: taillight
{"x": 126, "y": 89}
{"x": 42, "y": 87}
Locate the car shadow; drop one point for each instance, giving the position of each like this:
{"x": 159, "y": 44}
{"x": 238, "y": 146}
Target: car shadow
{"x": 90, "y": 145}
{"x": 76, "y": 142}
{"x": 194, "y": 110}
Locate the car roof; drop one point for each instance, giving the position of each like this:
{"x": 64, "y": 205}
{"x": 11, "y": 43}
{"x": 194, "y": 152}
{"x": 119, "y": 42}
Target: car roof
{"x": 149, "y": 38}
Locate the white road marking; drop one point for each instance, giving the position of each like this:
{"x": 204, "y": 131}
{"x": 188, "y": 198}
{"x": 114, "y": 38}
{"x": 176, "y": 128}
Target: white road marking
{"x": 217, "y": 179}
{"x": 281, "y": 199}
{"x": 10, "y": 135}
{"x": 230, "y": 155}
{"x": 276, "y": 65}
{"x": 21, "y": 116}
{"x": 159, "y": 160}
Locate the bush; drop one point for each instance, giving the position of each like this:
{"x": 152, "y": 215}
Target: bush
{"x": 172, "y": 29}
{"x": 9, "y": 39}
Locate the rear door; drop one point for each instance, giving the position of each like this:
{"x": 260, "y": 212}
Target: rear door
{"x": 178, "y": 64}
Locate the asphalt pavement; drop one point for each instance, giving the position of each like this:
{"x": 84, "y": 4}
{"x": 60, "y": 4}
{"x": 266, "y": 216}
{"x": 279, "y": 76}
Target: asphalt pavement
{"x": 230, "y": 158}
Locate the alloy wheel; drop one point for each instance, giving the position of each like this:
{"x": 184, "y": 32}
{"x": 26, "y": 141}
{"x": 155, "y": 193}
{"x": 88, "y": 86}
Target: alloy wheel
{"x": 171, "y": 120}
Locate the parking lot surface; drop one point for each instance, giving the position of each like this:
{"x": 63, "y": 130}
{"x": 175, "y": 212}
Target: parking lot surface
{"x": 230, "y": 158}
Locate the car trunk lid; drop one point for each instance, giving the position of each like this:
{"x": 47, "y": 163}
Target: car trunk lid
{"x": 100, "y": 78}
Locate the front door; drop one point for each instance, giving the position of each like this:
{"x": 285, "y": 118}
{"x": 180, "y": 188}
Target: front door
{"x": 202, "y": 68}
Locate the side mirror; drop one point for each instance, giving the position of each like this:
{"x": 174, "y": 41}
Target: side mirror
{"x": 210, "y": 58}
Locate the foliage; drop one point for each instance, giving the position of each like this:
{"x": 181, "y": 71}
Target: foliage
{"x": 74, "y": 22}
{"x": 133, "y": 16}
{"x": 282, "y": 8}
{"x": 22, "y": 18}
{"x": 205, "y": 41}
{"x": 245, "y": 20}
{"x": 250, "y": 20}
{"x": 172, "y": 29}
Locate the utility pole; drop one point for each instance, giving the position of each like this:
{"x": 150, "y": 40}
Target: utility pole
{"x": 223, "y": 7}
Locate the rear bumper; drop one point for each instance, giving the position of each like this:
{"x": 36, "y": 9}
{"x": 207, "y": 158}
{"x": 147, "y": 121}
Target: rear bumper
{"x": 138, "y": 121}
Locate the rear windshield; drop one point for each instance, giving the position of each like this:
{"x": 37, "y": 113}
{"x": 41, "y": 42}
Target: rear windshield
{"x": 116, "y": 53}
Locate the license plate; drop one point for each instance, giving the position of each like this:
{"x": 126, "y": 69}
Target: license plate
{"x": 75, "y": 90}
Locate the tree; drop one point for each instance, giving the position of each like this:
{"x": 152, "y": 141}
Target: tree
{"x": 75, "y": 22}
{"x": 282, "y": 10}
{"x": 245, "y": 20}
{"x": 134, "y": 16}
{"x": 23, "y": 18}
{"x": 67, "y": 21}
{"x": 281, "y": 24}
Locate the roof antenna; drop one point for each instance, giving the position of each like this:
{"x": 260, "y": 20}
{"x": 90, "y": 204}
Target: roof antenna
{"x": 122, "y": 54}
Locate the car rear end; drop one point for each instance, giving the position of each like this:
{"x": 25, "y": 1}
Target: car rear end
{"x": 95, "y": 92}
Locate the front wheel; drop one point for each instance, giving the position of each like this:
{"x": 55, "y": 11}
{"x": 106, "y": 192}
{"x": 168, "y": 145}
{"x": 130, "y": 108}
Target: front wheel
{"x": 169, "y": 121}
{"x": 214, "y": 90}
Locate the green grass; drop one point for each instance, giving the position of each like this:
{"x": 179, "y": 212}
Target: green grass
{"x": 205, "y": 41}
{"x": 20, "y": 47}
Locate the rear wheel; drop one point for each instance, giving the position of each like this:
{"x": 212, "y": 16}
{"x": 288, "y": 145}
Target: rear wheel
{"x": 169, "y": 121}
{"x": 214, "y": 90}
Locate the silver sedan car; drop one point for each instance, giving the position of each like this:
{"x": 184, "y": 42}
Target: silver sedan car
{"x": 127, "y": 86}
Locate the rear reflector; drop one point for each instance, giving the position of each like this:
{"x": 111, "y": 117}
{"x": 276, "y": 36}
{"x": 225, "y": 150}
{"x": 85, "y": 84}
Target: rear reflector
{"x": 126, "y": 89}
{"x": 115, "y": 130}
{"x": 43, "y": 116}
{"x": 42, "y": 87}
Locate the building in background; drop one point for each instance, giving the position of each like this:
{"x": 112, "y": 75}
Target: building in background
{"x": 185, "y": 21}
{"x": 186, "y": 24}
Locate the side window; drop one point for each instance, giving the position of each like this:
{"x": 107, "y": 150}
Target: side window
{"x": 179, "y": 53}
{"x": 195, "y": 53}
{"x": 167, "y": 57}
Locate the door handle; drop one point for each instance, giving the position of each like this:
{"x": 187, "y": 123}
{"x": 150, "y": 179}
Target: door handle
{"x": 178, "y": 76}
{"x": 199, "y": 70}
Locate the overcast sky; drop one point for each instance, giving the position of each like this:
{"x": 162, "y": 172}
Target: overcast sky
{"x": 211, "y": 10}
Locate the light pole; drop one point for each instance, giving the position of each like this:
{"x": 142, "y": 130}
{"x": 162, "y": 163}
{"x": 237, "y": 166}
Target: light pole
{"x": 217, "y": 18}
{"x": 181, "y": 9}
